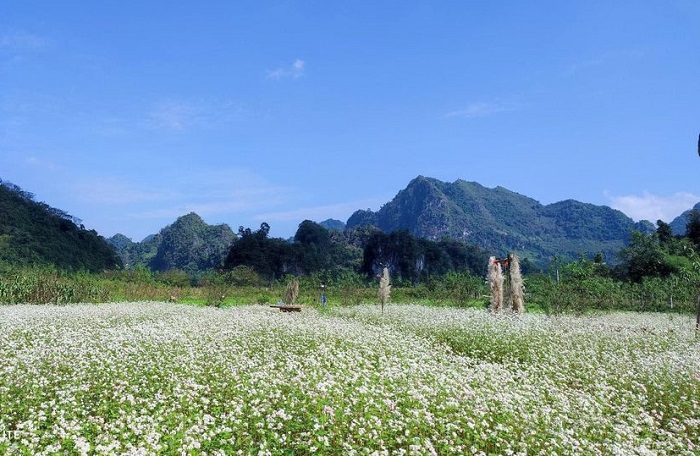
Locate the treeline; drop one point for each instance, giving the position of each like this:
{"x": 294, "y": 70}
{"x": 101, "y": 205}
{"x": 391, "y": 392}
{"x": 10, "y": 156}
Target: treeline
{"x": 655, "y": 272}
{"x": 363, "y": 250}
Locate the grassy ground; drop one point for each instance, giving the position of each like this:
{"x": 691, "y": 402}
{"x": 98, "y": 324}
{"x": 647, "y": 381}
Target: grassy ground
{"x": 157, "y": 378}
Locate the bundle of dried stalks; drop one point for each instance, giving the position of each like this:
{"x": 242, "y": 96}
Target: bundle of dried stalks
{"x": 292, "y": 292}
{"x": 496, "y": 282}
{"x": 517, "y": 289}
{"x": 384, "y": 288}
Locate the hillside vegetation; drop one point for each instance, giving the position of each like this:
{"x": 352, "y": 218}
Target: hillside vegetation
{"x": 34, "y": 233}
{"x": 653, "y": 270}
{"x": 188, "y": 244}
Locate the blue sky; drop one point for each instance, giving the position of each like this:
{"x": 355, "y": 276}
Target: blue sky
{"x": 128, "y": 114}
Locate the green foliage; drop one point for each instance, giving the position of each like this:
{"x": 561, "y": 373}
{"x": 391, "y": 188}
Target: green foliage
{"x": 44, "y": 285}
{"x": 265, "y": 297}
{"x": 271, "y": 258}
{"x": 174, "y": 278}
{"x": 664, "y": 232}
{"x": 412, "y": 260}
{"x": 192, "y": 245}
{"x": 35, "y": 234}
{"x": 692, "y": 228}
{"x": 644, "y": 257}
{"x": 189, "y": 244}
{"x": 314, "y": 249}
{"x": 314, "y": 244}
{"x": 243, "y": 276}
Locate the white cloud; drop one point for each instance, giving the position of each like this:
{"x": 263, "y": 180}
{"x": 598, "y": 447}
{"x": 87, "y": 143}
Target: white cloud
{"x": 653, "y": 207}
{"x": 482, "y": 109}
{"x": 293, "y": 71}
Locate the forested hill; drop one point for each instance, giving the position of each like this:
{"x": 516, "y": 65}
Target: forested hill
{"x": 500, "y": 220}
{"x": 33, "y": 233}
{"x": 188, "y": 244}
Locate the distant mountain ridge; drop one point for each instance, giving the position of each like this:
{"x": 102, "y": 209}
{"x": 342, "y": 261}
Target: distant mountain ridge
{"x": 333, "y": 224}
{"x": 189, "y": 244}
{"x": 500, "y": 220}
{"x": 679, "y": 223}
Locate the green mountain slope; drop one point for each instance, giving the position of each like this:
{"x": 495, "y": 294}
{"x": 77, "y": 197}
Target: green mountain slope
{"x": 500, "y": 220}
{"x": 188, "y": 244}
{"x": 33, "y": 233}
{"x": 679, "y": 223}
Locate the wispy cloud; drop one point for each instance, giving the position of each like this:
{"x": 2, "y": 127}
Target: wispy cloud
{"x": 604, "y": 58}
{"x": 180, "y": 115}
{"x": 583, "y": 65}
{"x": 40, "y": 163}
{"x": 173, "y": 115}
{"x": 653, "y": 207}
{"x": 293, "y": 71}
{"x": 17, "y": 40}
{"x": 482, "y": 109}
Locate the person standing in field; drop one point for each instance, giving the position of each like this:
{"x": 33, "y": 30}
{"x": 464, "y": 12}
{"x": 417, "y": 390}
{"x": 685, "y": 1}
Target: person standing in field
{"x": 323, "y": 294}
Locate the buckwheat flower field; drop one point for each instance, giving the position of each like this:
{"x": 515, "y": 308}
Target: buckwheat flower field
{"x": 156, "y": 378}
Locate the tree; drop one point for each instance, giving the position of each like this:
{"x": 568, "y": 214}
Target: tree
{"x": 664, "y": 232}
{"x": 313, "y": 249}
{"x": 644, "y": 257}
{"x": 399, "y": 251}
{"x": 465, "y": 257}
{"x": 311, "y": 233}
{"x": 692, "y": 228}
{"x": 414, "y": 259}
{"x": 269, "y": 257}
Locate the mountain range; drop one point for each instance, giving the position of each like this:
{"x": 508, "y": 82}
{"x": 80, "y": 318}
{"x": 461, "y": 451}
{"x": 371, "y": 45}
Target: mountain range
{"x": 502, "y": 221}
{"x": 495, "y": 219}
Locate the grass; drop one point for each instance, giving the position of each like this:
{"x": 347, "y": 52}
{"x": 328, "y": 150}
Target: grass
{"x": 156, "y": 378}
